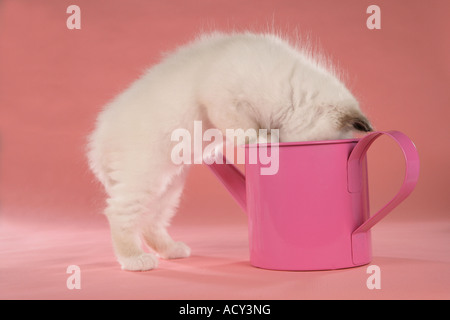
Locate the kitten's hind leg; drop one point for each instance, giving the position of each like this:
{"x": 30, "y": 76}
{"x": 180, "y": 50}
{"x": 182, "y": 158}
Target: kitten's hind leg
{"x": 155, "y": 223}
{"x": 124, "y": 214}
{"x": 159, "y": 239}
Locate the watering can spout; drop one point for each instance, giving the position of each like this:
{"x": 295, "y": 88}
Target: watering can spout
{"x": 233, "y": 180}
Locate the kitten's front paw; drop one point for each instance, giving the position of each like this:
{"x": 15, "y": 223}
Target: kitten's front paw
{"x": 143, "y": 262}
{"x": 176, "y": 250}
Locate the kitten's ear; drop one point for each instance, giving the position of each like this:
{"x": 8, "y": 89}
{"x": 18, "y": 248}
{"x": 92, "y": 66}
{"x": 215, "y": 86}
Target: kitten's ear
{"x": 356, "y": 122}
{"x": 362, "y": 124}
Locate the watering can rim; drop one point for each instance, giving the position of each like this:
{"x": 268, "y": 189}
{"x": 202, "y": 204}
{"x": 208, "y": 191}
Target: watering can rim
{"x": 301, "y": 143}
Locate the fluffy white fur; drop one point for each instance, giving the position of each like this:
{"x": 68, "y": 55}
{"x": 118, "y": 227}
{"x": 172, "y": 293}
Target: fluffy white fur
{"x": 240, "y": 80}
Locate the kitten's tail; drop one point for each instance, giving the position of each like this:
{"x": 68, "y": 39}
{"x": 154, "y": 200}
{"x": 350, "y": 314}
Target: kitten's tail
{"x": 96, "y": 159}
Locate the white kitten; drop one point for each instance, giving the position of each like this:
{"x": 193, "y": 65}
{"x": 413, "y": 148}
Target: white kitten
{"x": 229, "y": 81}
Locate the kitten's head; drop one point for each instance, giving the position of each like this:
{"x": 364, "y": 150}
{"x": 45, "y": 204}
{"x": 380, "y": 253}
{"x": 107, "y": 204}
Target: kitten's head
{"x": 325, "y": 122}
{"x": 323, "y": 109}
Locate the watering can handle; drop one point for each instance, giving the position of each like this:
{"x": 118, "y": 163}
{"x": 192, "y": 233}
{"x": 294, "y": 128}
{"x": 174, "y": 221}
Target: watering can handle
{"x": 411, "y": 173}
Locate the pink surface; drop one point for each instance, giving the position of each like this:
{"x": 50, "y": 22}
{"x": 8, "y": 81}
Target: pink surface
{"x": 413, "y": 258}
{"x": 53, "y": 82}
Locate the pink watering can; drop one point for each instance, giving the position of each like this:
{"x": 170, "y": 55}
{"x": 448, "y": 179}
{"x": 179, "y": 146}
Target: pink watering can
{"x": 313, "y": 214}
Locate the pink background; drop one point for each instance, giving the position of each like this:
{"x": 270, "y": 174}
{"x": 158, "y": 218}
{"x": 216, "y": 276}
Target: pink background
{"x": 53, "y": 82}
